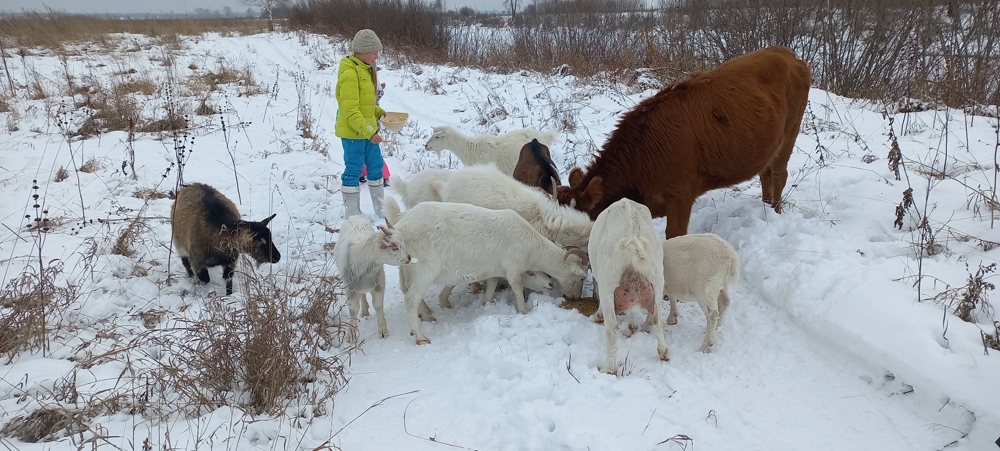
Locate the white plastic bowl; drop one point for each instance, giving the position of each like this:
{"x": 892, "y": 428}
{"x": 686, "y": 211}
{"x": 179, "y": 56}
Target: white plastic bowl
{"x": 394, "y": 120}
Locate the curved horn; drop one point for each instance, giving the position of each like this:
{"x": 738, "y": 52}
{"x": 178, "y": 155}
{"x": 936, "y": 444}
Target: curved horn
{"x": 554, "y": 185}
{"x": 576, "y": 250}
{"x": 384, "y": 230}
{"x": 269, "y": 218}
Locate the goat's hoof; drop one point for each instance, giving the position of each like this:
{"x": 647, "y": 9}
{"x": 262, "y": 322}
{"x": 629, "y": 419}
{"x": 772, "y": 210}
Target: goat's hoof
{"x": 423, "y": 342}
{"x": 383, "y": 334}
{"x": 671, "y": 320}
{"x": 426, "y": 317}
{"x": 706, "y": 348}
{"x": 665, "y": 355}
{"x": 610, "y": 370}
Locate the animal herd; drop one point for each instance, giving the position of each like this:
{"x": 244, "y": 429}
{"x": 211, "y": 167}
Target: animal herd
{"x": 505, "y": 215}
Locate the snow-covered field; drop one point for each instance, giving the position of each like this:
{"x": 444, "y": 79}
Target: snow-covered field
{"x": 827, "y": 345}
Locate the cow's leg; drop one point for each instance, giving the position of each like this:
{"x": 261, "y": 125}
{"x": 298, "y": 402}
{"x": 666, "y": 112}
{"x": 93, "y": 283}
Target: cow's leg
{"x": 678, "y": 215}
{"x": 766, "y": 182}
{"x": 779, "y": 168}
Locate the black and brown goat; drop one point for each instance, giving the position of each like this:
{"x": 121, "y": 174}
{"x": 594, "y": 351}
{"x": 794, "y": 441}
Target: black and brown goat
{"x": 535, "y": 167}
{"x": 208, "y": 231}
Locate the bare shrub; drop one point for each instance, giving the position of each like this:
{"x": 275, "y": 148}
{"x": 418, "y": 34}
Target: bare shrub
{"x": 91, "y": 165}
{"x": 125, "y": 244}
{"x": 973, "y": 295}
{"x": 46, "y": 424}
{"x": 251, "y": 352}
{"x": 27, "y": 303}
{"x": 61, "y": 175}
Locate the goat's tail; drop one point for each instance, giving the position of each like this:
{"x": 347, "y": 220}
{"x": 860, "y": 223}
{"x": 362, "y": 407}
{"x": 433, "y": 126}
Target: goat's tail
{"x": 392, "y": 211}
{"x": 633, "y": 248}
{"x": 549, "y": 137}
{"x": 399, "y": 186}
{"x": 437, "y": 189}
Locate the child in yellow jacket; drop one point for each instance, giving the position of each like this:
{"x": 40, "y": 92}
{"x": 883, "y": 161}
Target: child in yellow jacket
{"x": 357, "y": 122}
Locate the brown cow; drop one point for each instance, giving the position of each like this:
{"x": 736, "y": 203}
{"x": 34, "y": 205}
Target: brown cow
{"x": 713, "y": 130}
{"x": 535, "y": 167}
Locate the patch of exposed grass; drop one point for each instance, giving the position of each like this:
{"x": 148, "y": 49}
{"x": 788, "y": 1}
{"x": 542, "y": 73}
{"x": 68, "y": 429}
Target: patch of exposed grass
{"x": 53, "y": 30}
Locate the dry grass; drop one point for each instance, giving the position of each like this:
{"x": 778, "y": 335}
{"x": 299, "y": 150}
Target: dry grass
{"x": 27, "y": 301}
{"x": 53, "y": 30}
{"x": 61, "y": 175}
{"x": 46, "y": 424}
{"x": 125, "y": 244}
{"x": 149, "y": 194}
{"x": 91, "y": 165}
{"x": 251, "y": 351}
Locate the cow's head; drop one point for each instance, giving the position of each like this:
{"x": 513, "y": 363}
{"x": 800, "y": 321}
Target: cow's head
{"x": 583, "y": 197}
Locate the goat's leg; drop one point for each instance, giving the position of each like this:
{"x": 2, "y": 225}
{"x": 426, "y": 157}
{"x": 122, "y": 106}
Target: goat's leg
{"x": 517, "y": 286}
{"x": 607, "y": 308}
{"x": 491, "y": 289}
{"x": 723, "y": 304}
{"x": 414, "y": 298}
{"x": 709, "y": 305}
{"x": 672, "y": 317}
{"x": 378, "y": 296}
{"x": 227, "y": 275}
{"x": 187, "y": 266}
{"x": 354, "y": 299}
{"x": 661, "y": 342}
{"x": 443, "y": 297}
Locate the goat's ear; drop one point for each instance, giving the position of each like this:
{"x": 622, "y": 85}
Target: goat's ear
{"x": 382, "y": 244}
{"x": 268, "y": 219}
{"x": 575, "y": 176}
{"x": 593, "y": 193}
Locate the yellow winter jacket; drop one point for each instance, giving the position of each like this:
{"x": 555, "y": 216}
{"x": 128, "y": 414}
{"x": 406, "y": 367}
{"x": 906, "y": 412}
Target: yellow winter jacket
{"x": 357, "y": 112}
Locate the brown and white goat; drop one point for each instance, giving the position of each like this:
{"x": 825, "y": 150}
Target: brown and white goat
{"x": 535, "y": 167}
{"x": 207, "y": 231}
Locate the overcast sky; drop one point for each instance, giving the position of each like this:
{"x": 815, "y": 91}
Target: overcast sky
{"x": 177, "y": 6}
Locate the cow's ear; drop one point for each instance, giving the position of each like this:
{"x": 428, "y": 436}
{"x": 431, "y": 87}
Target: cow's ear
{"x": 575, "y": 176}
{"x": 593, "y": 194}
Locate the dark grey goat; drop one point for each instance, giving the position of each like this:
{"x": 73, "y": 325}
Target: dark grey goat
{"x": 207, "y": 231}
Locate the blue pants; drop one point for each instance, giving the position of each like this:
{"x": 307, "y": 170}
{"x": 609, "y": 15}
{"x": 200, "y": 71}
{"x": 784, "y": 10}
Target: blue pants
{"x": 358, "y": 152}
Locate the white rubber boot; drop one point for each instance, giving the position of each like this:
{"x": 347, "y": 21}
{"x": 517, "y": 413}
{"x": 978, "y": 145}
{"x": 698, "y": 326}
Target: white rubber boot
{"x": 352, "y": 200}
{"x": 376, "y": 191}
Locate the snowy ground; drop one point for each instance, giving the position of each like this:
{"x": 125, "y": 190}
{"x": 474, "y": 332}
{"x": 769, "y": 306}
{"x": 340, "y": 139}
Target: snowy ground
{"x": 825, "y": 347}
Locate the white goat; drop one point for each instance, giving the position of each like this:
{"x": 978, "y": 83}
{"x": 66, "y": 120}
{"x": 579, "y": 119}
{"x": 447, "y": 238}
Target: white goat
{"x": 487, "y": 187}
{"x": 532, "y": 281}
{"x": 417, "y": 188}
{"x": 700, "y": 267}
{"x": 503, "y": 150}
{"x": 459, "y": 243}
{"x": 360, "y": 254}
{"x": 627, "y": 261}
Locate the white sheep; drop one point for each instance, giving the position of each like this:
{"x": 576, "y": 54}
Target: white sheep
{"x": 360, "y": 254}
{"x": 700, "y": 267}
{"x": 487, "y": 187}
{"x": 460, "y": 243}
{"x": 503, "y": 150}
{"x": 627, "y": 262}
{"x": 417, "y": 188}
